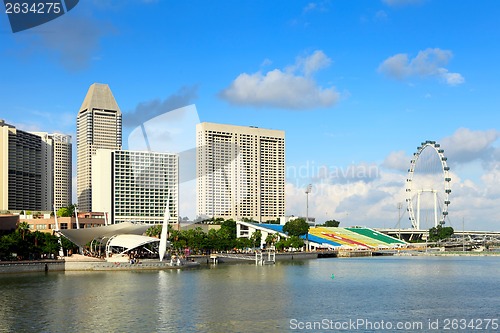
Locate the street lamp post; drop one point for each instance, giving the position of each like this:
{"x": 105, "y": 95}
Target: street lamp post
{"x": 308, "y": 190}
{"x": 400, "y": 205}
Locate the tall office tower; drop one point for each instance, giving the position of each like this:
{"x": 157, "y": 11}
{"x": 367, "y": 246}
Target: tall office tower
{"x": 20, "y": 169}
{"x": 135, "y": 185}
{"x": 240, "y": 172}
{"x": 99, "y": 126}
{"x": 57, "y": 170}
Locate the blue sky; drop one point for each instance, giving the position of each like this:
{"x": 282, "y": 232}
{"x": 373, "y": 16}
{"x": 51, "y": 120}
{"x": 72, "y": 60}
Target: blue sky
{"x": 355, "y": 84}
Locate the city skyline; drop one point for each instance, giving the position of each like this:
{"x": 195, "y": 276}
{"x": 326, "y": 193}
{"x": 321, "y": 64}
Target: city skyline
{"x": 358, "y": 86}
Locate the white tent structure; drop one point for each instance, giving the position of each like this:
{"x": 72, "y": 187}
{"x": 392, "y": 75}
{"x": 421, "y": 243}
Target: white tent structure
{"x": 81, "y": 237}
{"x": 126, "y": 243}
{"x": 119, "y": 238}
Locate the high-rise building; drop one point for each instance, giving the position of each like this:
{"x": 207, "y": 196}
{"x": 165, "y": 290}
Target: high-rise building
{"x": 135, "y": 185}
{"x": 240, "y": 172}
{"x": 20, "y": 169}
{"x": 99, "y": 126}
{"x": 57, "y": 166}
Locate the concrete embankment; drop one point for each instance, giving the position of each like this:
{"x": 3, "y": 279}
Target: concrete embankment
{"x": 62, "y": 265}
{"x": 151, "y": 264}
{"x": 124, "y": 266}
{"x": 32, "y": 266}
{"x": 234, "y": 258}
{"x": 458, "y": 254}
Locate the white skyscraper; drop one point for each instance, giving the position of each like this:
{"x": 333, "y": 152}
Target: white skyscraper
{"x": 240, "y": 172}
{"x": 135, "y": 185}
{"x": 57, "y": 170}
{"x": 99, "y": 126}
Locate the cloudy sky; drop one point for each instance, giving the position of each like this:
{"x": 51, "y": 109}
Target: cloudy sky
{"x": 356, "y": 85}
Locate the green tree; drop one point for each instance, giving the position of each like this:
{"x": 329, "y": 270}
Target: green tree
{"x": 154, "y": 230}
{"x": 296, "y": 242}
{"x": 296, "y": 227}
{"x": 282, "y": 244}
{"x": 67, "y": 211}
{"x": 332, "y": 223}
{"x": 228, "y": 230}
{"x": 243, "y": 242}
{"x": 174, "y": 235}
{"x": 24, "y": 227}
{"x": 29, "y": 212}
{"x": 271, "y": 239}
{"x": 68, "y": 245}
{"x": 256, "y": 237}
{"x": 51, "y": 245}
{"x": 439, "y": 233}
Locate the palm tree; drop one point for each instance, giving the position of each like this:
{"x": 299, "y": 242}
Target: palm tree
{"x": 270, "y": 239}
{"x": 23, "y": 226}
{"x": 256, "y": 237}
{"x": 154, "y": 231}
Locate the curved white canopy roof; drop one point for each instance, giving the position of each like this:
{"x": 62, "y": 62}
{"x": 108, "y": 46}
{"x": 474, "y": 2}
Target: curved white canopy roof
{"x": 83, "y": 236}
{"x": 131, "y": 241}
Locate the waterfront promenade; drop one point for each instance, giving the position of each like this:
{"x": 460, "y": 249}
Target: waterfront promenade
{"x": 83, "y": 263}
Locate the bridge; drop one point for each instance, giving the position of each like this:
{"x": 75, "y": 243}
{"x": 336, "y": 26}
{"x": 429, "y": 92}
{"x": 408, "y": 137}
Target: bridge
{"x": 415, "y": 234}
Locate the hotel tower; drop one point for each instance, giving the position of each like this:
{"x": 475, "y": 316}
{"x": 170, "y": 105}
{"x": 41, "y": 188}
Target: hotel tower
{"x": 240, "y": 172}
{"x": 99, "y": 126}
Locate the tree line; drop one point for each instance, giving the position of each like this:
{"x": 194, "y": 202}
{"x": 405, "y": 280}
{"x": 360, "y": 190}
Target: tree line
{"x": 23, "y": 244}
{"x": 225, "y": 238}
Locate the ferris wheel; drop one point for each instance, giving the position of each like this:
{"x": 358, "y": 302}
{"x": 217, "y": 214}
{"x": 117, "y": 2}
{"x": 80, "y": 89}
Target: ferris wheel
{"x": 428, "y": 185}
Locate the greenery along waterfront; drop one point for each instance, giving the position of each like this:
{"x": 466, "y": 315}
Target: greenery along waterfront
{"x": 224, "y": 239}
{"x": 24, "y": 244}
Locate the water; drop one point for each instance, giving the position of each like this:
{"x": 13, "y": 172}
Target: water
{"x": 249, "y": 298}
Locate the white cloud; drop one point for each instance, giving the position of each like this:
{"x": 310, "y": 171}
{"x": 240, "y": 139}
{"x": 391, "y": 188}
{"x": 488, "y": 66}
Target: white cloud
{"x": 372, "y": 201}
{"x": 397, "y": 160}
{"x": 374, "y": 204}
{"x": 25, "y": 127}
{"x": 285, "y": 89}
{"x": 359, "y": 202}
{"x": 309, "y": 65}
{"x": 427, "y": 63}
{"x": 465, "y": 145}
{"x": 363, "y": 171}
{"x": 266, "y": 62}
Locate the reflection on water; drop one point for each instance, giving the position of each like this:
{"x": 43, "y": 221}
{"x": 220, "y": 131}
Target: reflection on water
{"x": 249, "y": 298}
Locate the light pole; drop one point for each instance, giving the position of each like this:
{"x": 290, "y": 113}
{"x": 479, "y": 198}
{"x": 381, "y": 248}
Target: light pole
{"x": 400, "y": 205}
{"x": 463, "y": 234}
{"x": 308, "y": 190}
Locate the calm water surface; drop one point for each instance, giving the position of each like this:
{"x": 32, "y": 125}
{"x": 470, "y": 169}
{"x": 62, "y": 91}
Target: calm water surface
{"x": 249, "y": 298}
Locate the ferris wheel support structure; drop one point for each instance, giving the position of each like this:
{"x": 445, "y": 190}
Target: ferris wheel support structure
{"x": 419, "y": 192}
